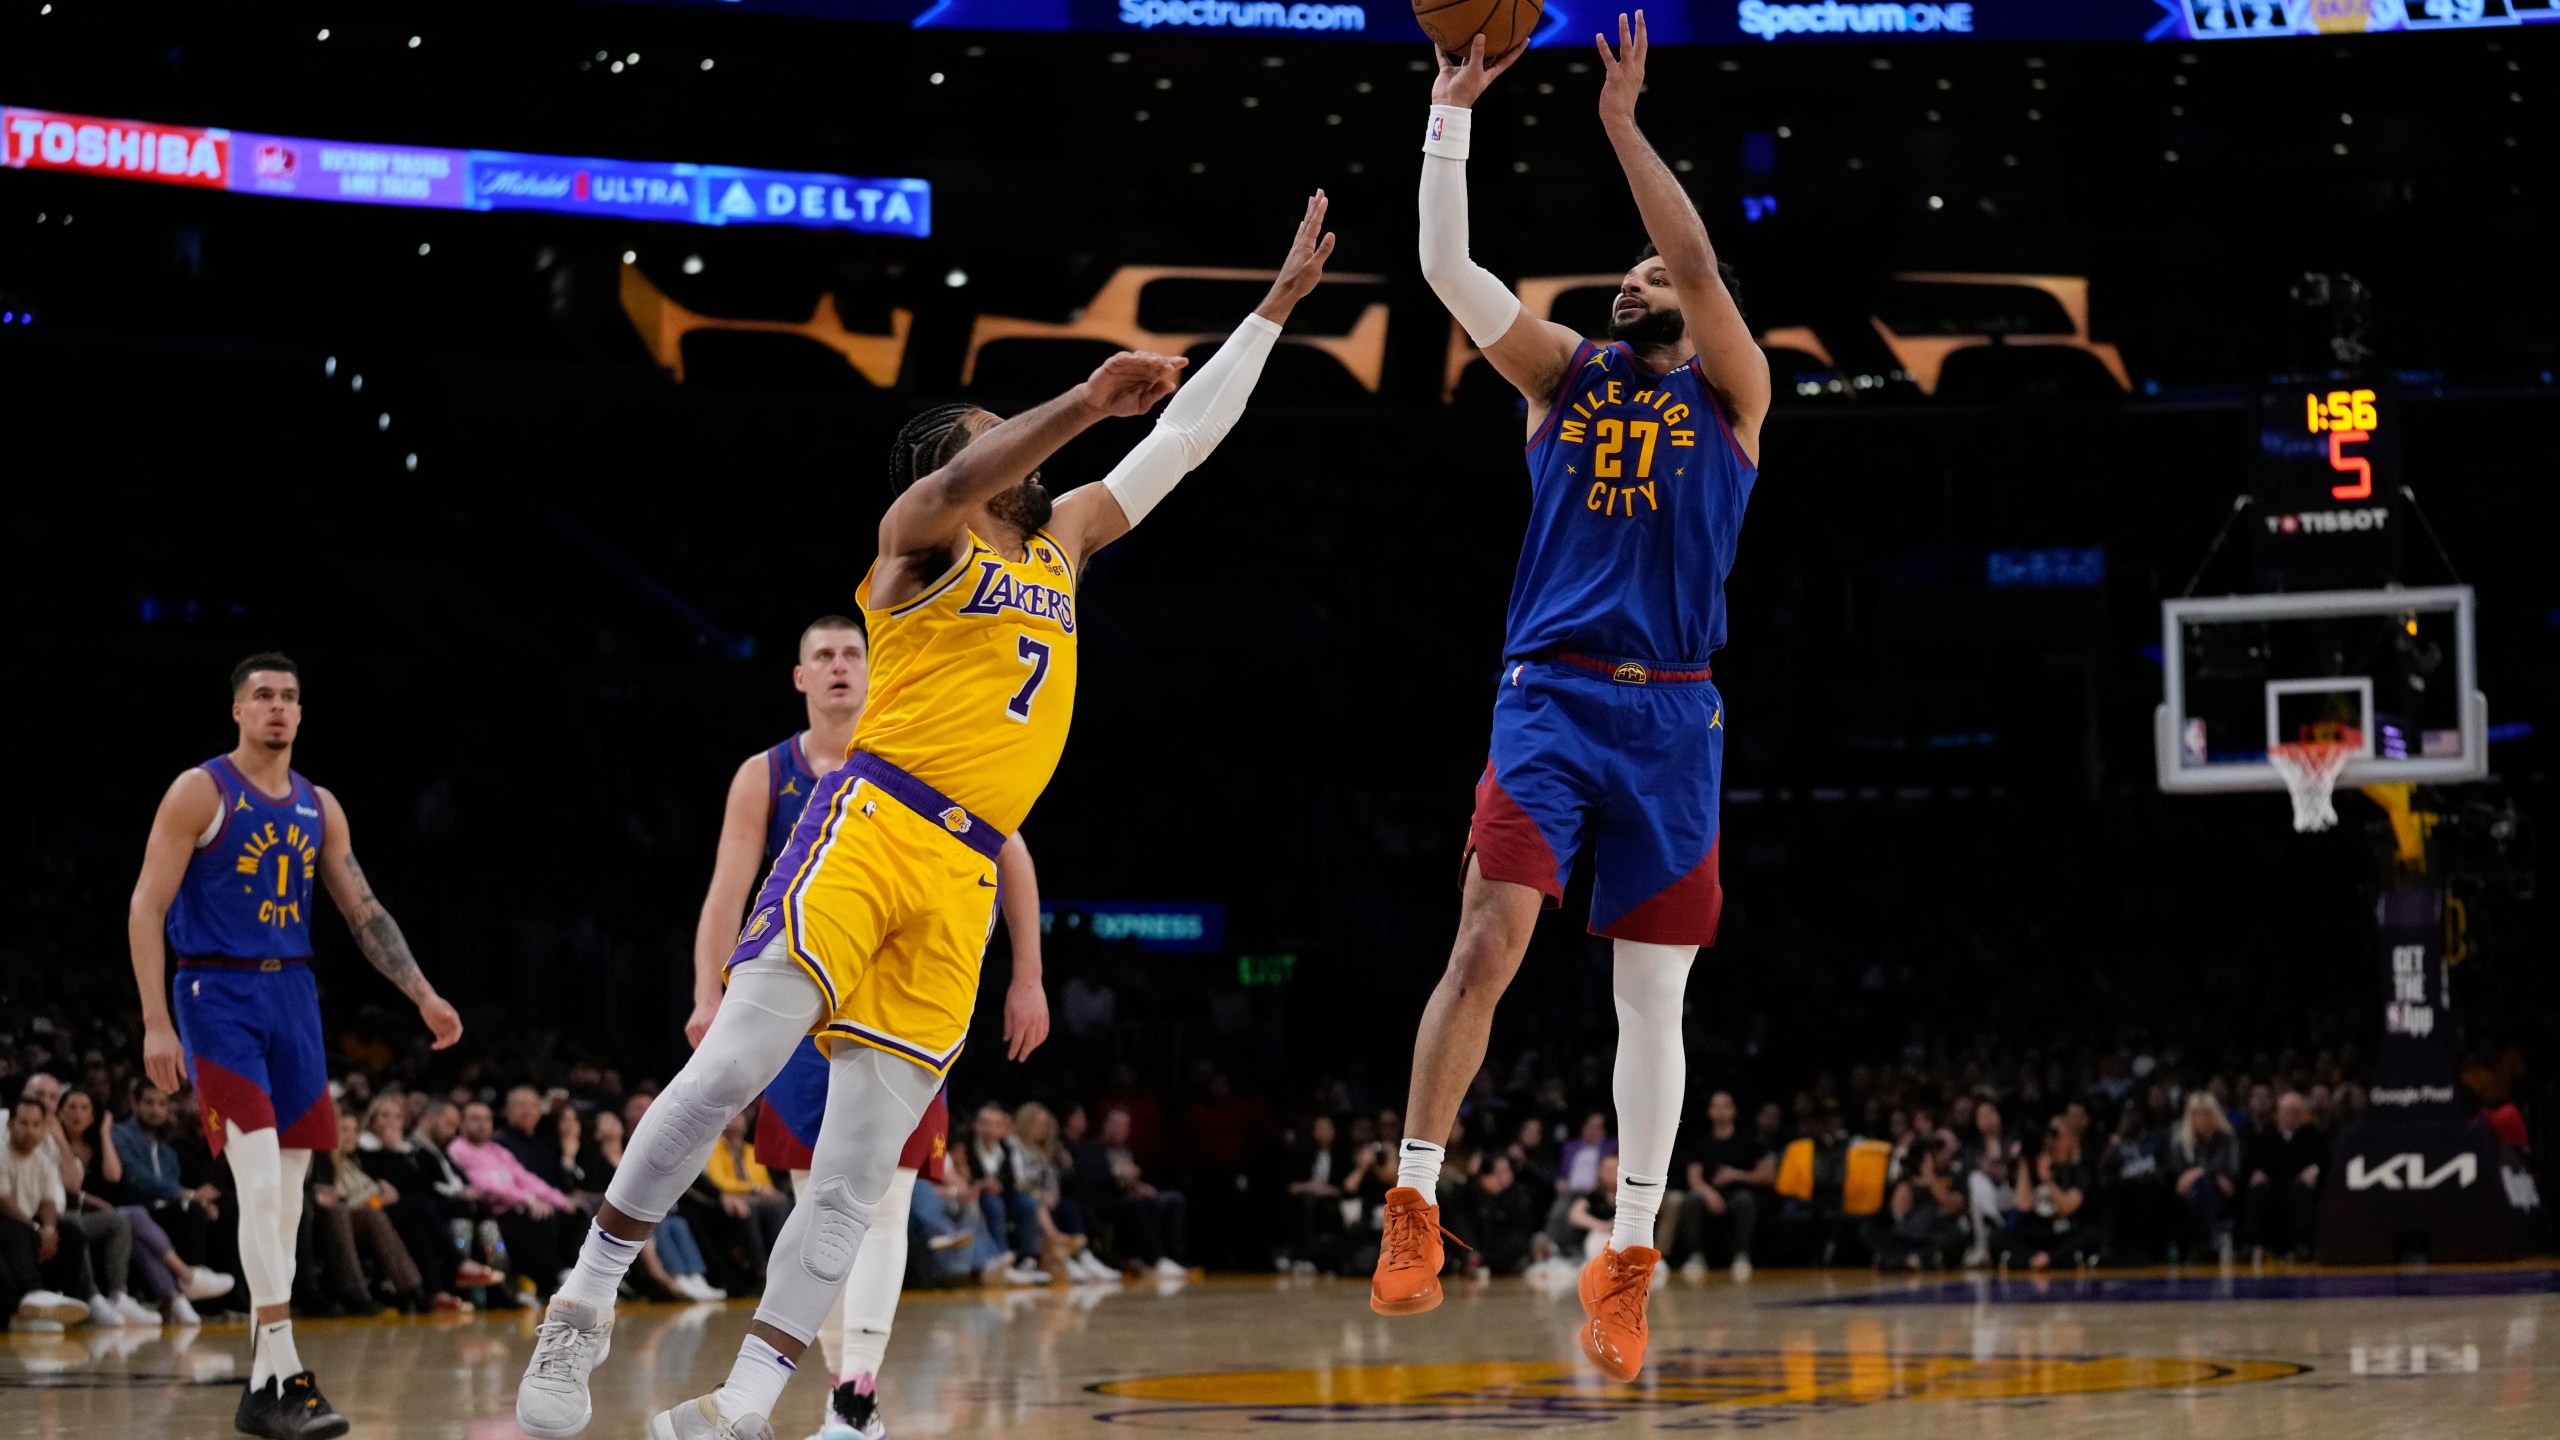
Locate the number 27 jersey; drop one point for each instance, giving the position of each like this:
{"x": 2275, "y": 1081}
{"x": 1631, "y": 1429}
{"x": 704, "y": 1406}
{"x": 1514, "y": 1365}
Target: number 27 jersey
{"x": 973, "y": 680}
{"x": 1637, "y": 490}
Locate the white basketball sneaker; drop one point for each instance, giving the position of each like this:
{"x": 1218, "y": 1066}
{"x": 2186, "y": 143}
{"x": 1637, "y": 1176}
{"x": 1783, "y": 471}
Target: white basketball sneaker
{"x": 551, "y": 1403}
{"x": 698, "y": 1419}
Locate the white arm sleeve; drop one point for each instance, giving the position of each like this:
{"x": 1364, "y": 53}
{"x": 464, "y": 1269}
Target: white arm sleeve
{"x": 1482, "y": 304}
{"x": 1200, "y": 416}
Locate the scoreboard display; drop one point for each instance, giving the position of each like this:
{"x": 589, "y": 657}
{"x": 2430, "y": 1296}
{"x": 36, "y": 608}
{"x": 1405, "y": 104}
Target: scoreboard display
{"x": 1703, "y": 22}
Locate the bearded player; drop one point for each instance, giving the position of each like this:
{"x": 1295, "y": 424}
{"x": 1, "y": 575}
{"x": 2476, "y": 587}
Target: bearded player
{"x": 869, "y": 930}
{"x": 766, "y": 796}
{"x": 1608, "y": 734}
{"x": 226, "y": 884}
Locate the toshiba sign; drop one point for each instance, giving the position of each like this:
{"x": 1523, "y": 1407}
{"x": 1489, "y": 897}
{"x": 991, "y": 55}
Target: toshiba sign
{"x": 131, "y": 149}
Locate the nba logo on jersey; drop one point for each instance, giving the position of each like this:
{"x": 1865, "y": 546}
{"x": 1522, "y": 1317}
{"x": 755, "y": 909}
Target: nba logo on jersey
{"x": 956, "y": 820}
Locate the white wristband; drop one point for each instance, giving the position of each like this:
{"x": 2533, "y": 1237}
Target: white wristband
{"x": 1446, "y": 138}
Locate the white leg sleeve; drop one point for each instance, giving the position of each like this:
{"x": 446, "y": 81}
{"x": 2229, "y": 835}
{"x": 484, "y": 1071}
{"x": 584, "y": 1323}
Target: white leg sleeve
{"x": 873, "y": 1102}
{"x": 770, "y": 1006}
{"x": 869, "y": 1304}
{"x": 1652, "y": 1071}
{"x": 259, "y": 1172}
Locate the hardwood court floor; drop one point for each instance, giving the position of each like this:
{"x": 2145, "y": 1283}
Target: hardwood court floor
{"x": 2469, "y": 1353}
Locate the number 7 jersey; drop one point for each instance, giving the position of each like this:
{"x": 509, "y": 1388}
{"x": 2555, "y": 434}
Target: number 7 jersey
{"x": 1637, "y": 490}
{"x": 973, "y": 680}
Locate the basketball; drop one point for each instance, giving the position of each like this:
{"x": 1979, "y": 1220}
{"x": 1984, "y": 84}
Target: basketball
{"x": 1503, "y": 23}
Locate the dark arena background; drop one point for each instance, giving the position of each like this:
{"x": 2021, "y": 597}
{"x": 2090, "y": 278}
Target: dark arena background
{"x": 538, "y": 469}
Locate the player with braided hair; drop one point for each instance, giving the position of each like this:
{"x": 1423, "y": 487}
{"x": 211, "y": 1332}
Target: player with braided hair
{"x": 869, "y": 929}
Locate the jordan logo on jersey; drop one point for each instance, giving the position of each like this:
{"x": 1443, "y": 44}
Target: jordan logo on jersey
{"x": 998, "y": 592}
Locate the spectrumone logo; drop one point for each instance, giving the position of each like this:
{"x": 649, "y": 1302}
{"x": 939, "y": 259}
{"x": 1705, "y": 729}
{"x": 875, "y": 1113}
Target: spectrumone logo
{"x": 1768, "y": 21}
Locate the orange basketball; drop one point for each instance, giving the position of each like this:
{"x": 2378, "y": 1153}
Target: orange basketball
{"x": 1503, "y": 23}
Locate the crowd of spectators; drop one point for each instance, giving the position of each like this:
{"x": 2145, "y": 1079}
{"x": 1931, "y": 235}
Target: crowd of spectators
{"x": 466, "y": 1179}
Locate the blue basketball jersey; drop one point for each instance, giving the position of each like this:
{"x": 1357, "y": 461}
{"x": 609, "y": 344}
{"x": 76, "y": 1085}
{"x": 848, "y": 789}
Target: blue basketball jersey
{"x": 1636, "y": 495}
{"x": 247, "y": 892}
{"x": 788, "y": 781}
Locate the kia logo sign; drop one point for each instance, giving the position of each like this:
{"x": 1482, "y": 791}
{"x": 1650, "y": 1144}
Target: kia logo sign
{"x": 2409, "y": 1172}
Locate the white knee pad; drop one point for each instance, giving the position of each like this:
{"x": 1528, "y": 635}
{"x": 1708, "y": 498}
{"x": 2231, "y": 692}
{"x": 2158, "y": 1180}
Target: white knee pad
{"x": 837, "y": 1223}
{"x": 258, "y": 1171}
{"x": 770, "y": 1006}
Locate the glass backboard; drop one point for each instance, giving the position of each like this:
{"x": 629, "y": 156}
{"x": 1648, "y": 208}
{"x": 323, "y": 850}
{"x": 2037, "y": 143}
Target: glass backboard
{"x": 2391, "y": 672}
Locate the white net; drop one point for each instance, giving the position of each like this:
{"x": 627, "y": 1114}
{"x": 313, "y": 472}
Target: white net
{"x": 2310, "y": 770}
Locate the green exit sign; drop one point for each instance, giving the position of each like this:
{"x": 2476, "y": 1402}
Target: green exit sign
{"x": 1253, "y": 971}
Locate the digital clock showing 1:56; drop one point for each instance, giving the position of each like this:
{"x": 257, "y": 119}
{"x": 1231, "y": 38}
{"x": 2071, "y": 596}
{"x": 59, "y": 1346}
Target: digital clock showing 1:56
{"x": 2349, "y": 418}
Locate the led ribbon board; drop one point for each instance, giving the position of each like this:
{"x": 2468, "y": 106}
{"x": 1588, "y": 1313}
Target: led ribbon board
{"x": 1703, "y": 22}
{"x": 359, "y": 173}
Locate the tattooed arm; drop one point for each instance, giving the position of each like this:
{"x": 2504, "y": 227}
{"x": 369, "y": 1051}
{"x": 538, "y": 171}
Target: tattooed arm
{"x": 377, "y": 934}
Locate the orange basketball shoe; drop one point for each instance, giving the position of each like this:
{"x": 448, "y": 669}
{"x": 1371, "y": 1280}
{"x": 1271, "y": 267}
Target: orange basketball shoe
{"x": 1615, "y": 1286}
{"x": 1409, "y": 1256}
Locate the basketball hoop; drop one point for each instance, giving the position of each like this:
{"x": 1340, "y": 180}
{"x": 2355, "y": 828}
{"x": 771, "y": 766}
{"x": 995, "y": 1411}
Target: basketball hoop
{"x": 2310, "y": 769}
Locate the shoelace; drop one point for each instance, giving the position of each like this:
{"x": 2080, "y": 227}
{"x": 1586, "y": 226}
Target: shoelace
{"x": 555, "y": 1349}
{"x": 1625, "y": 1295}
{"x": 1406, "y": 1229}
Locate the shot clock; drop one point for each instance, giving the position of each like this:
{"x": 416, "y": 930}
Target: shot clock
{"x": 2327, "y": 484}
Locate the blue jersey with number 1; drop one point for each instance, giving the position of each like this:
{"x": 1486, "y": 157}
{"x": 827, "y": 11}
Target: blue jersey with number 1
{"x": 1637, "y": 489}
{"x": 247, "y": 892}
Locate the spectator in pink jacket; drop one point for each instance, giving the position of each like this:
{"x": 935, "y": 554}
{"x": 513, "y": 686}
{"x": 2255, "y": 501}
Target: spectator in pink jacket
{"x": 542, "y": 1226}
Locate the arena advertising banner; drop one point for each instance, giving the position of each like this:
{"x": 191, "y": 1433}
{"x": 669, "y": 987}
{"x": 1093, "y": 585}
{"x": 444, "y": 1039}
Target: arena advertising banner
{"x": 359, "y": 173}
{"x": 1703, "y": 22}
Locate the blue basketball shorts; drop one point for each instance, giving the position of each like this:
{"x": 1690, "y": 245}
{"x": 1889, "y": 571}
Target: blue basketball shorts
{"x": 255, "y": 1051}
{"x": 1620, "y": 758}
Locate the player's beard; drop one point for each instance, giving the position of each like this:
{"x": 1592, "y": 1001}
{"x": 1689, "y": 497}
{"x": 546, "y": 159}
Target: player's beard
{"x": 1025, "y": 507}
{"x": 1657, "y": 329}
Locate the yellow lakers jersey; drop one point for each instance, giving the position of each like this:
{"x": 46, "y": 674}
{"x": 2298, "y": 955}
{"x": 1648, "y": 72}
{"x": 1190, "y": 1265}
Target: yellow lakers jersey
{"x": 973, "y": 681}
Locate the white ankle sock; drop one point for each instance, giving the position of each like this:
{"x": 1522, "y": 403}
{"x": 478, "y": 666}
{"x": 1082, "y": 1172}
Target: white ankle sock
{"x": 755, "y": 1382}
{"x": 272, "y": 1355}
{"x": 1639, "y": 1201}
{"x": 1418, "y": 1165}
{"x": 602, "y": 1262}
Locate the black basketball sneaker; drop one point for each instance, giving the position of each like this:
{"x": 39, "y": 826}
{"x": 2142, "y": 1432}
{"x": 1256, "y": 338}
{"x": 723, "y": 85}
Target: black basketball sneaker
{"x": 289, "y": 1407}
{"x": 856, "y": 1412}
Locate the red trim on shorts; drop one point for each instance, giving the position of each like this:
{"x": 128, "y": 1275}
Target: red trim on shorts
{"x": 314, "y": 1129}
{"x": 1507, "y": 845}
{"x": 931, "y": 1140}
{"x": 1686, "y": 912}
{"x": 776, "y": 1147}
{"x": 229, "y": 1096}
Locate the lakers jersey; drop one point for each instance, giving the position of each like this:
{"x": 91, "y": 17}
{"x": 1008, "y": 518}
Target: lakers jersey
{"x": 246, "y": 894}
{"x": 974, "y": 680}
{"x": 1636, "y": 501}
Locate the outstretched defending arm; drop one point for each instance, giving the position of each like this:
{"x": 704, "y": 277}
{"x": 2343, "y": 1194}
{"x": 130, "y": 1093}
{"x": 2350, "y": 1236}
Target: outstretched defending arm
{"x": 1733, "y": 360}
{"x": 930, "y": 516}
{"x": 1529, "y": 352}
{"x": 377, "y": 934}
{"x": 1203, "y": 411}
